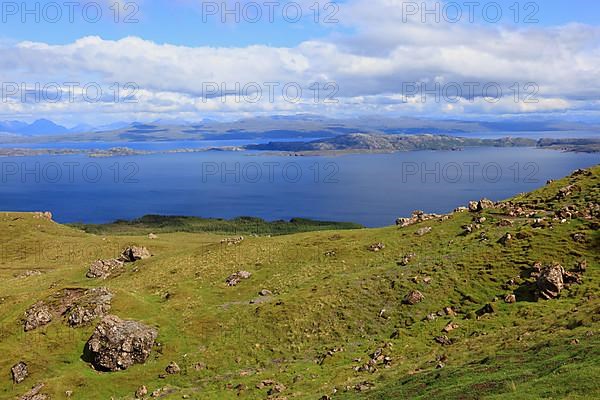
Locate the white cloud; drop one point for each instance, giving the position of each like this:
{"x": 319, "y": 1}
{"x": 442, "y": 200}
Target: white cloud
{"x": 371, "y": 66}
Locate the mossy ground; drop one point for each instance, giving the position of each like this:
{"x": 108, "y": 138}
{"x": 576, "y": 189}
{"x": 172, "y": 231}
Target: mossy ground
{"x": 527, "y": 350}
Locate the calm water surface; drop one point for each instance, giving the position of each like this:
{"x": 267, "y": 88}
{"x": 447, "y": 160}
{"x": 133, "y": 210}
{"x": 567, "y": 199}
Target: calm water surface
{"x": 368, "y": 189}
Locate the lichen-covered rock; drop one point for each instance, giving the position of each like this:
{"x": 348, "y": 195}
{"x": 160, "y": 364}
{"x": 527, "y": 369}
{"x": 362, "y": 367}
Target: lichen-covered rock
{"x": 19, "y": 372}
{"x": 77, "y": 306}
{"x": 135, "y": 253}
{"x": 94, "y": 303}
{"x": 237, "y": 277}
{"x": 103, "y": 268}
{"x": 34, "y": 393}
{"x": 173, "y": 368}
{"x": 550, "y": 281}
{"x": 414, "y": 297}
{"x": 36, "y": 316}
{"x": 117, "y": 344}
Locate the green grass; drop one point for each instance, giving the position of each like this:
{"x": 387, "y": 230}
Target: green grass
{"x": 523, "y": 351}
{"x": 240, "y": 225}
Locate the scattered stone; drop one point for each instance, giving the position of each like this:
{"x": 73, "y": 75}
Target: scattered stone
{"x": 152, "y": 236}
{"x": 423, "y": 231}
{"x": 36, "y": 316}
{"x": 450, "y": 311}
{"x": 406, "y": 259}
{"x": 505, "y": 223}
{"x": 265, "y": 293}
{"x": 479, "y": 220}
{"x": 489, "y": 308}
{"x": 363, "y": 386}
{"x": 43, "y": 215}
{"x": 232, "y": 241}
{"x": 566, "y": 191}
{"x": 443, "y": 340}
{"x": 19, "y": 372}
{"x": 506, "y": 239}
{"x": 418, "y": 216}
{"x": 34, "y": 393}
{"x": 414, "y": 297}
{"x": 579, "y": 237}
{"x": 173, "y": 368}
{"x": 27, "y": 274}
{"x": 330, "y": 253}
{"x": 141, "y": 392}
{"x": 117, "y": 344}
{"x": 376, "y": 247}
{"x": 103, "y": 268}
{"x": 450, "y": 327}
{"x": 237, "y": 277}
{"x": 550, "y": 281}
{"x": 473, "y": 206}
{"x": 68, "y": 393}
{"x": 510, "y": 298}
{"x": 200, "y": 366}
{"x": 134, "y": 253}
{"x": 581, "y": 266}
{"x": 539, "y": 223}
{"x": 276, "y": 388}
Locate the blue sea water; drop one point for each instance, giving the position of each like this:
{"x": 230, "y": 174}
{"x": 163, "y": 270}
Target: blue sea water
{"x": 371, "y": 189}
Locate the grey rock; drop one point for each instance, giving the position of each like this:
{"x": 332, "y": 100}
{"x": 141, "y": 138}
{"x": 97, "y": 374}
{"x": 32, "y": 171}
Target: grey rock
{"x": 117, "y": 344}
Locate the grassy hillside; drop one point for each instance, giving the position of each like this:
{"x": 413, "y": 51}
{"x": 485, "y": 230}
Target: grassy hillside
{"x": 336, "y": 304}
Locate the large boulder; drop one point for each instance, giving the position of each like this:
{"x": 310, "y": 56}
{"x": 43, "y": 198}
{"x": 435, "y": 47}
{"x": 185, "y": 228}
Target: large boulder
{"x": 550, "y": 281}
{"x": 117, "y": 344}
{"x": 103, "y": 268}
{"x": 135, "y": 253}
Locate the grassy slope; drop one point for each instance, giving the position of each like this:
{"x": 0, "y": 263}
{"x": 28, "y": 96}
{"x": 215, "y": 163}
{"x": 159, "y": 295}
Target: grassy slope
{"x": 522, "y": 351}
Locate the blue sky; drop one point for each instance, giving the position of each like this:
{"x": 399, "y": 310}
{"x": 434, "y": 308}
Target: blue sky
{"x": 172, "y": 50}
{"x": 181, "y": 22}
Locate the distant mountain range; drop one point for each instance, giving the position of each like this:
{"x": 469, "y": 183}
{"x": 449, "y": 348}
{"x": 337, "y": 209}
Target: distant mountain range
{"x": 288, "y": 127}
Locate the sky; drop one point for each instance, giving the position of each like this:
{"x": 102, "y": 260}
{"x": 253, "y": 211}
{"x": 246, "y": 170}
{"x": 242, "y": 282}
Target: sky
{"x": 102, "y": 61}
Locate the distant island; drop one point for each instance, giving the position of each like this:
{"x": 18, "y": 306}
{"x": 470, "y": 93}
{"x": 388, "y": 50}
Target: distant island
{"x": 342, "y": 144}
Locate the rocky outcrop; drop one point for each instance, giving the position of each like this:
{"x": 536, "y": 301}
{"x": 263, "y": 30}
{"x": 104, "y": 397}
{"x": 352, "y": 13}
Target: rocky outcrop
{"x": 423, "y": 231}
{"x": 237, "y": 277}
{"x": 550, "y": 281}
{"x": 413, "y": 297}
{"x": 232, "y": 241}
{"x": 417, "y": 216}
{"x": 117, "y": 344}
{"x": 19, "y": 372}
{"x": 375, "y": 247}
{"x": 77, "y": 306}
{"x": 172, "y": 368}
{"x": 483, "y": 204}
{"x": 104, "y": 268}
{"x": 34, "y": 393}
{"x": 37, "y": 315}
{"x": 134, "y": 253}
